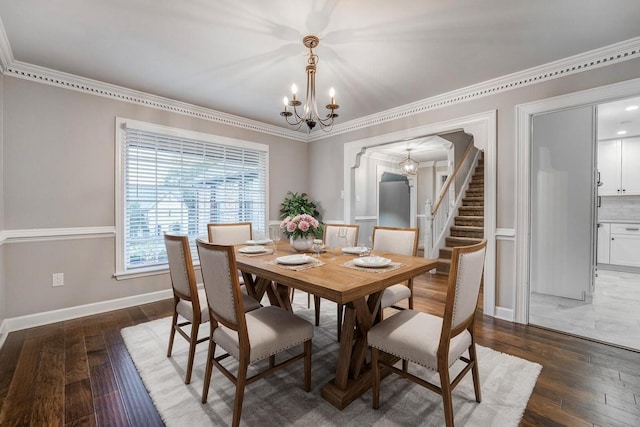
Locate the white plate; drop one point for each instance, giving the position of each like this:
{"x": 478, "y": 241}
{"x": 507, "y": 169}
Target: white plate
{"x": 252, "y": 249}
{"x": 259, "y": 242}
{"x": 356, "y": 250}
{"x": 372, "y": 261}
{"x": 294, "y": 259}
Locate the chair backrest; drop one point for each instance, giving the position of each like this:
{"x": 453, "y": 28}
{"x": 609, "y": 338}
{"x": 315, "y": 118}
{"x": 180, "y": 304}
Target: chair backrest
{"x": 332, "y": 231}
{"x": 403, "y": 241}
{"x": 465, "y": 277}
{"x": 183, "y": 278}
{"x": 221, "y": 287}
{"x": 229, "y": 233}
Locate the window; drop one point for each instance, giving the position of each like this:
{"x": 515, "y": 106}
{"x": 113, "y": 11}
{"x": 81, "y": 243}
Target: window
{"x": 178, "y": 181}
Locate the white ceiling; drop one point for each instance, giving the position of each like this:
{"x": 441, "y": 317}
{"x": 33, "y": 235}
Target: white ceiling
{"x": 617, "y": 117}
{"x": 240, "y": 57}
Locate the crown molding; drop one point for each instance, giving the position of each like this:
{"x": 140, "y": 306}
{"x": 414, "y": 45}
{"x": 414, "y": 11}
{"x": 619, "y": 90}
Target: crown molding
{"x": 6, "y": 55}
{"x": 608, "y": 55}
{"x": 43, "y": 75}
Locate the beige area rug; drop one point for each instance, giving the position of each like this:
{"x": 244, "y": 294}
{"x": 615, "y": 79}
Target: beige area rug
{"x": 279, "y": 399}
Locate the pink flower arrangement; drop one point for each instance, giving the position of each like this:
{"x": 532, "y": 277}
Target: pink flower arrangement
{"x": 299, "y": 226}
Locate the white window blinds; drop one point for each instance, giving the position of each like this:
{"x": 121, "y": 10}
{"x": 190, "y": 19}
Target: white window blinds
{"x": 172, "y": 183}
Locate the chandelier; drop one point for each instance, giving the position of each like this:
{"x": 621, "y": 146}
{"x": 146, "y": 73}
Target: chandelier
{"x": 309, "y": 114}
{"x": 409, "y": 166}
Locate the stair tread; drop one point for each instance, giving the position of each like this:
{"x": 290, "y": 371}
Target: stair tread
{"x": 469, "y": 217}
{"x": 469, "y": 239}
{"x": 467, "y": 228}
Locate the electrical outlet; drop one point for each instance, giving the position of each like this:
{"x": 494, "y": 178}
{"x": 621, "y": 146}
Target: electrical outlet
{"x": 57, "y": 279}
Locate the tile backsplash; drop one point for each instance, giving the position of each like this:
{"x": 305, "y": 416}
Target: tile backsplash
{"x": 619, "y": 208}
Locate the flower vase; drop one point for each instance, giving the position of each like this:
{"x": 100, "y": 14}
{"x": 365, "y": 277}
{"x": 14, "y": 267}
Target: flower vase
{"x": 301, "y": 244}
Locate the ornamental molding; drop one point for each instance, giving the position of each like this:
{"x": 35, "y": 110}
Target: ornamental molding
{"x": 608, "y": 55}
{"x": 82, "y": 84}
{"x": 602, "y": 57}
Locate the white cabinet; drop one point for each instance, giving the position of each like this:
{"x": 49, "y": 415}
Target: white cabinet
{"x": 625, "y": 245}
{"x": 618, "y": 166}
{"x": 604, "y": 236}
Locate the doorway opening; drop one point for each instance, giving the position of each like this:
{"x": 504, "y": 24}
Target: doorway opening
{"x": 584, "y": 271}
{"x": 394, "y": 200}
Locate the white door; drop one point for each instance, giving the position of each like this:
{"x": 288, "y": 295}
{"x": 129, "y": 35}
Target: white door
{"x": 563, "y": 203}
{"x": 609, "y": 167}
{"x": 631, "y": 166}
{"x": 604, "y": 233}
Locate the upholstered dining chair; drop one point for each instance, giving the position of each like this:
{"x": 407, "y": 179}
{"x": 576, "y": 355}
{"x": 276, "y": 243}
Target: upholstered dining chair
{"x": 234, "y": 233}
{"x": 189, "y": 302}
{"x": 403, "y": 241}
{"x": 248, "y": 337}
{"x": 230, "y": 233}
{"x": 435, "y": 342}
{"x": 334, "y": 233}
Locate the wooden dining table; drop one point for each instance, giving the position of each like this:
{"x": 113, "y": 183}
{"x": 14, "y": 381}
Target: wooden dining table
{"x": 358, "y": 289}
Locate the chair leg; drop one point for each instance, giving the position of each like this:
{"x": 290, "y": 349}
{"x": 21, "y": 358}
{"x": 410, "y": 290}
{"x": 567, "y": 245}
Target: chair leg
{"x": 240, "y": 385}
{"x": 445, "y": 385}
{"x": 316, "y": 305}
{"x": 411, "y": 296}
{"x": 307, "y": 366}
{"x": 207, "y": 374}
{"x": 473, "y": 356}
{"x": 375, "y": 370}
{"x": 272, "y": 361}
{"x": 173, "y": 332}
{"x": 405, "y": 365}
{"x": 192, "y": 350}
{"x": 340, "y": 310}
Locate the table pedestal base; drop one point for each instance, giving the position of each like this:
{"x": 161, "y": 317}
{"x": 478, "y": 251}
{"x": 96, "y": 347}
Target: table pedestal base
{"x": 341, "y": 398}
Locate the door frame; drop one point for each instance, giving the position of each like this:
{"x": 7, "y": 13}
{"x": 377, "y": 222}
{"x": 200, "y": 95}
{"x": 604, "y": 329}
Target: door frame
{"x": 524, "y": 112}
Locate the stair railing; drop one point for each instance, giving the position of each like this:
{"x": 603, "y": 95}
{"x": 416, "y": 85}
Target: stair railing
{"x": 438, "y": 219}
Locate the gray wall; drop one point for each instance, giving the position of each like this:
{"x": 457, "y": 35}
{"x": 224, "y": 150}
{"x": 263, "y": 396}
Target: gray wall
{"x": 59, "y": 172}
{"x": 505, "y": 103}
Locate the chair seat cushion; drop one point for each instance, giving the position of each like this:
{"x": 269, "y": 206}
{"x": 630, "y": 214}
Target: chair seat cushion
{"x": 271, "y": 330}
{"x": 249, "y": 302}
{"x": 184, "y": 308}
{"x": 415, "y": 336}
{"x": 394, "y": 294}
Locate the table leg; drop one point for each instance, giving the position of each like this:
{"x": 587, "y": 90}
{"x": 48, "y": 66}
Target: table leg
{"x": 282, "y": 295}
{"x": 353, "y": 374}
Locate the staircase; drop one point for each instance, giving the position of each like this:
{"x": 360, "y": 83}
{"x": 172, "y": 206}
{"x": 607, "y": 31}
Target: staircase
{"x": 468, "y": 228}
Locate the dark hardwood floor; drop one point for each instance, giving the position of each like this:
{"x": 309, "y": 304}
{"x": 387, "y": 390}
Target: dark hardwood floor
{"x": 79, "y": 372}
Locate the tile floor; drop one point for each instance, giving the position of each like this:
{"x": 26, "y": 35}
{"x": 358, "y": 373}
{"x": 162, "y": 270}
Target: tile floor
{"x": 612, "y": 317}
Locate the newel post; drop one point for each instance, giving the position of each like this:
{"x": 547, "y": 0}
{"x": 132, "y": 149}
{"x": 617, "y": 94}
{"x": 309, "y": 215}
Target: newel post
{"x": 428, "y": 229}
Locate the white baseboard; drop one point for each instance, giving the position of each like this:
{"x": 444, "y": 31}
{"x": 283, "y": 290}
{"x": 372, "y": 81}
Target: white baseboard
{"x": 47, "y": 317}
{"x": 3, "y": 332}
{"x": 504, "y": 313}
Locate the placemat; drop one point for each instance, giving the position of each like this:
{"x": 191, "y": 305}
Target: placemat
{"x": 392, "y": 266}
{"x": 311, "y": 264}
{"x": 267, "y": 252}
